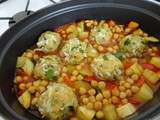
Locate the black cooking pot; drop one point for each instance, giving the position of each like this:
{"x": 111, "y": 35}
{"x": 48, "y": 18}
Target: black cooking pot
{"x": 24, "y": 34}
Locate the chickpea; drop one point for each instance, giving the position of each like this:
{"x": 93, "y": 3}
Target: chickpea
{"x": 22, "y": 86}
{"x": 75, "y": 73}
{"x": 122, "y": 88}
{"x": 36, "y": 83}
{"x": 41, "y": 89}
{"x": 29, "y": 54}
{"x": 99, "y": 115}
{"x": 99, "y": 97}
{"x": 101, "y": 85}
{"x": 32, "y": 89}
{"x": 106, "y": 94}
{"x": 129, "y": 92}
{"x": 97, "y": 105}
{"x": 94, "y": 83}
{"x": 89, "y": 59}
{"x": 134, "y": 77}
{"x": 154, "y": 48}
{"x": 134, "y": 89}
{"x": 121, "y": 82}
{"x": 124, "y": 101}
{"x": 134, "y": 60}
{"x": 25, "y": 78}
{"x": 85, "y": 100}
{"x": 110, "y": 100}
{"x": 85, "y": 40}
{"x": 64, "y": 69}
{"x": 118, "y": 29}
{"x": 90, "y": 105}
{"x": 74, "y": 118}
{"x": 110, "y": 49}
{"x": 129, "y": 80}
{"x": 79, "y": 67}
{"x": 37, "y": 94}
{"x": 128, "y": 72}
{"x": 92, "y": 92}
{"x": 44, "y": 82}
{"x": 34, "y": 101}
{"x": 35, "y": 56}
{"x": 95, "y": 46}
{"x": 64, "y": 74}
{"x": 92, "y": 99}
{"x": 122, "y": 95}
{"x": 115, "y": 36}
{"x": 127, "y": 85}
{"x": 18, "y": 79}
{"x": 153, "y": 54}
{"x": 127, "y": 30}
{"x": 115, "y": 47}
{"x": 60, "y": 79}
{"x": 100, "y": 48}
{"x": 73, "y": 78}
{"x": 28, "y": 85}
{"x": 115, "y": 100}
{"x": 83, "y": 96}
{"x": 115, "y": 92}
{"x": 105, "y": 101}
{"x": 82, "y": 91}
{"x": 79, "y": 77}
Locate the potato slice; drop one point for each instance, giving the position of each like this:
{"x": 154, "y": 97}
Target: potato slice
{"x": 145, "y": 93}
{"x": 110, "y": 112}
{"x": 126, "y": 110}
{"x": 25, "y": 99}
{"x": 156, "y": 61}
{"x": 85, "y": 114}
{"x": 151, "y": 76}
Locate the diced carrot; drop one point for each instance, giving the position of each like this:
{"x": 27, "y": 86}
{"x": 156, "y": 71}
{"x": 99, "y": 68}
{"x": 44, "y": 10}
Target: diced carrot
{"x": 111, "y": 85}
{"x": 90, "y": 78}
{"x": 134, "y": 101}
{"x": 39, "y": 53}
{"x": 67, "y": 80}
{"x": 127, "y": 64}
{"x": 133, "y": 25}
{"x": 140, "y": 81}
{"x": 150, "y": 67}
{"x": 111, "y": 23}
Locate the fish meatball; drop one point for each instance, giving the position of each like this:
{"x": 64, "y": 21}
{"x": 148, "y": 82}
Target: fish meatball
{"x": 74, "y": 51}
{"x": 133, "y": 45}
{"x": 48, "y": 67}
{"x": 57, "y": 102}
{"x": 101, "y": 34}
{"x": 107, "y": 66}
{"x": 49, "y": 41}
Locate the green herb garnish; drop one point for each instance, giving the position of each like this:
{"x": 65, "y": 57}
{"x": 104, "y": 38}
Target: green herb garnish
{"x": 50, "y": 74}
{"x": 105, "y": 57}
{"x": 119, "y": 55}
{"x": 127, "y": 42}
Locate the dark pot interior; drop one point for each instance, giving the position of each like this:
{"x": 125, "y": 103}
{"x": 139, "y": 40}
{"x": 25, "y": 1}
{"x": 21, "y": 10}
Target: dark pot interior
{"x": 24, "y": 35}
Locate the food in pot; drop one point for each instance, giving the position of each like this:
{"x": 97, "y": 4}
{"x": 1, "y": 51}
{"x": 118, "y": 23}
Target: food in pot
{"x": 49, "y": 41}
{"x": 89, "y": 70}
{"x": 48, "y": 67}
{"x": 57, "y": 102}
{"x": 107, "y": 66}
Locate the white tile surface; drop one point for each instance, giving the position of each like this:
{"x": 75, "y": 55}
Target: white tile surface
{"x": 11, "y": 7}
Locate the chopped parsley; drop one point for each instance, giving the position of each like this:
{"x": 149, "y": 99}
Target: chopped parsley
{"x": 105, "y": 57}
{"x": 127, "y": 42}
{"x": 74, "y": 48}
{"x": 50, "y": 73}
{"x": 119, "y": 55}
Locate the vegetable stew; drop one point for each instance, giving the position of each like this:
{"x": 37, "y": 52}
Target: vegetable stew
{"x": 89, "y": 70}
